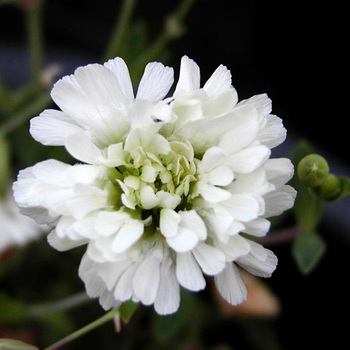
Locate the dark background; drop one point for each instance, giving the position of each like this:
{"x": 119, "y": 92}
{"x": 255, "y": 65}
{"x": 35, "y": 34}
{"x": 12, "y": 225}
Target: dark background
{"x": 292, "y": 50}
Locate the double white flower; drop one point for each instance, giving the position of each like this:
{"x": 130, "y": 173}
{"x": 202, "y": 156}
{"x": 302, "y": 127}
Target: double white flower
{"x": 167, "y": 185}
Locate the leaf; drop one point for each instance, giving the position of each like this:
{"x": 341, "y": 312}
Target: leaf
{"x": 12, "y": 310}
{"x": 127, "y": 309}
{"x": 12, "y": 344}
{"x": 308, "y": 248}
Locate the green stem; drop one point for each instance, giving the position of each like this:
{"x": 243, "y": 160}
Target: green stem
{"x": 60, "y": 305}
{"x": 16, "y": 120}
{"x": 120, "y": 29}
{"x": 173, "y": 28}
{"x": 99, "y": 322}
{"x": 35, "y": 38}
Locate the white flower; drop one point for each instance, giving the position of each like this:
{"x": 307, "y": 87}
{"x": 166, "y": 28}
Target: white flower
{"x": 168, "y": 186}
{"x": 16, "y": 229}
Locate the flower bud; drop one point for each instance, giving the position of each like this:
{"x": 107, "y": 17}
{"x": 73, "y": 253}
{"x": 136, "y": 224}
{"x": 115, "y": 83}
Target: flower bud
{"x": 313, "y": 170}
{"x": 329, "y": 189}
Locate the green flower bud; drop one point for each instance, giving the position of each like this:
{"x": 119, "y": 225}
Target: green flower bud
{"x": 329, "y": 189}
{"x": 313, "y": 170}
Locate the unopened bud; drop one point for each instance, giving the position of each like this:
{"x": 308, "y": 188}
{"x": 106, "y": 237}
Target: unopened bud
{"x": 313, "y": 170}
{"x": 329, "y": 189}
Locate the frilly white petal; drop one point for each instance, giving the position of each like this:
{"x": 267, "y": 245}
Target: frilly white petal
{"x": 219, "y": 82}
{"x": 155, "y": 82}
{"x": 188, "y": 272}
{"x": 168, "y": 296}
{"x": 146, "y": 280}
{"x": 230, "y": 285}
{"x": 259, "y": 261}
{"x": 279, "y": 201}
{"x": 120, "y": 69}
{"x": 189, "y": 78}
{"x": 52, "y": 127}
{"x": 81, "y": 148}
{"x": 210, "y": 259}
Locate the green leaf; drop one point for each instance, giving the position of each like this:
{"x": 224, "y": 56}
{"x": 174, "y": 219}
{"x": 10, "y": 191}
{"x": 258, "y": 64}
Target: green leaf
{"x": 12, "y": 344}
{"x": 308, "y": 248}
{"x": 127, "y": 309}
{"x": 12, "y": 310}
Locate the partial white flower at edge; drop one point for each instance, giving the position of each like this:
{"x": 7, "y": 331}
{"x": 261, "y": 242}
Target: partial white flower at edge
{"x": 16, "y": 229}
{"x": 168, "y": 186}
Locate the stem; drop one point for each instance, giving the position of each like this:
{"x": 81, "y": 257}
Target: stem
{"x": 99, "y": 322}
{"x": 60, "y": 305}
{"x": 120, "y": 29}
{"x": 283, "y": 236}
{"x": 173, "y": 28}
{"x": 34, "y": 39}
{"x": 16, "y": 120}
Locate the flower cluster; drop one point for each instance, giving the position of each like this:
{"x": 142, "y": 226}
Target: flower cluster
{"x": 167, "y": 189}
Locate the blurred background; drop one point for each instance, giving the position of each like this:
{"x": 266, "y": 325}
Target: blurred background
{"x": 293, "y": 52}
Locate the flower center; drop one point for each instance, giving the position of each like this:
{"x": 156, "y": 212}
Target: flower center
{"x": 155, "y": 181}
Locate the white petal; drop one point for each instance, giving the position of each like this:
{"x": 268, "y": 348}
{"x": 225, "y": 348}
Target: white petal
{"x": 52, "y": 171}
{"x": 279, "y": 201}
{"x": 230, "y": 285}
{"x": 274, "y": 133}
{"x": 183, "y": 241}
{"x": 124, "y": 288}
{"x": 261, "y": 103}
{"x": 211, "y": 193}
{"x": 279, "y": 171}
{"x": 127, "y": 235}
{"x": 155, "y": 82}
{"x": 219, "y": 82}
{"x": 243, "y": 207}
{"x": 81, "y": 148}
{"x": 100, "y": 86}
{"x": 235, "y": 247}
{"x": 94, "y": 285}
{"x": 212, "y": 158}
{"x": 248, "y": 159}
{"x": 140, "y": 114}
{"x": 147, "y": 198}
{"x": 146, "y": 280}
{"x": 210, "y": 259}
{"x": 259, "y": 261}
{"x": 257, "y": 227}
{"x": 120, "y": 69}
{"x": 192, "y": 221}
{"x": 243, "y": 133}
{"x": 51, "y": 127}
{"x": 188, "y": 272}
{"x": 91, "y": 97}
{"x": 168, "y": 296}
{"x": 169, "y": 222}
{"x": 153, "y": 143}
{"x": 88, "y": 199}
{"x": 110, "y": 272}
{"x": 221, "y": 176}
{"x": 168, "y": 200}
{"x": 189, "y": 78}
{"x": 64, "y": 243}
{"x": 109, "y": 222}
